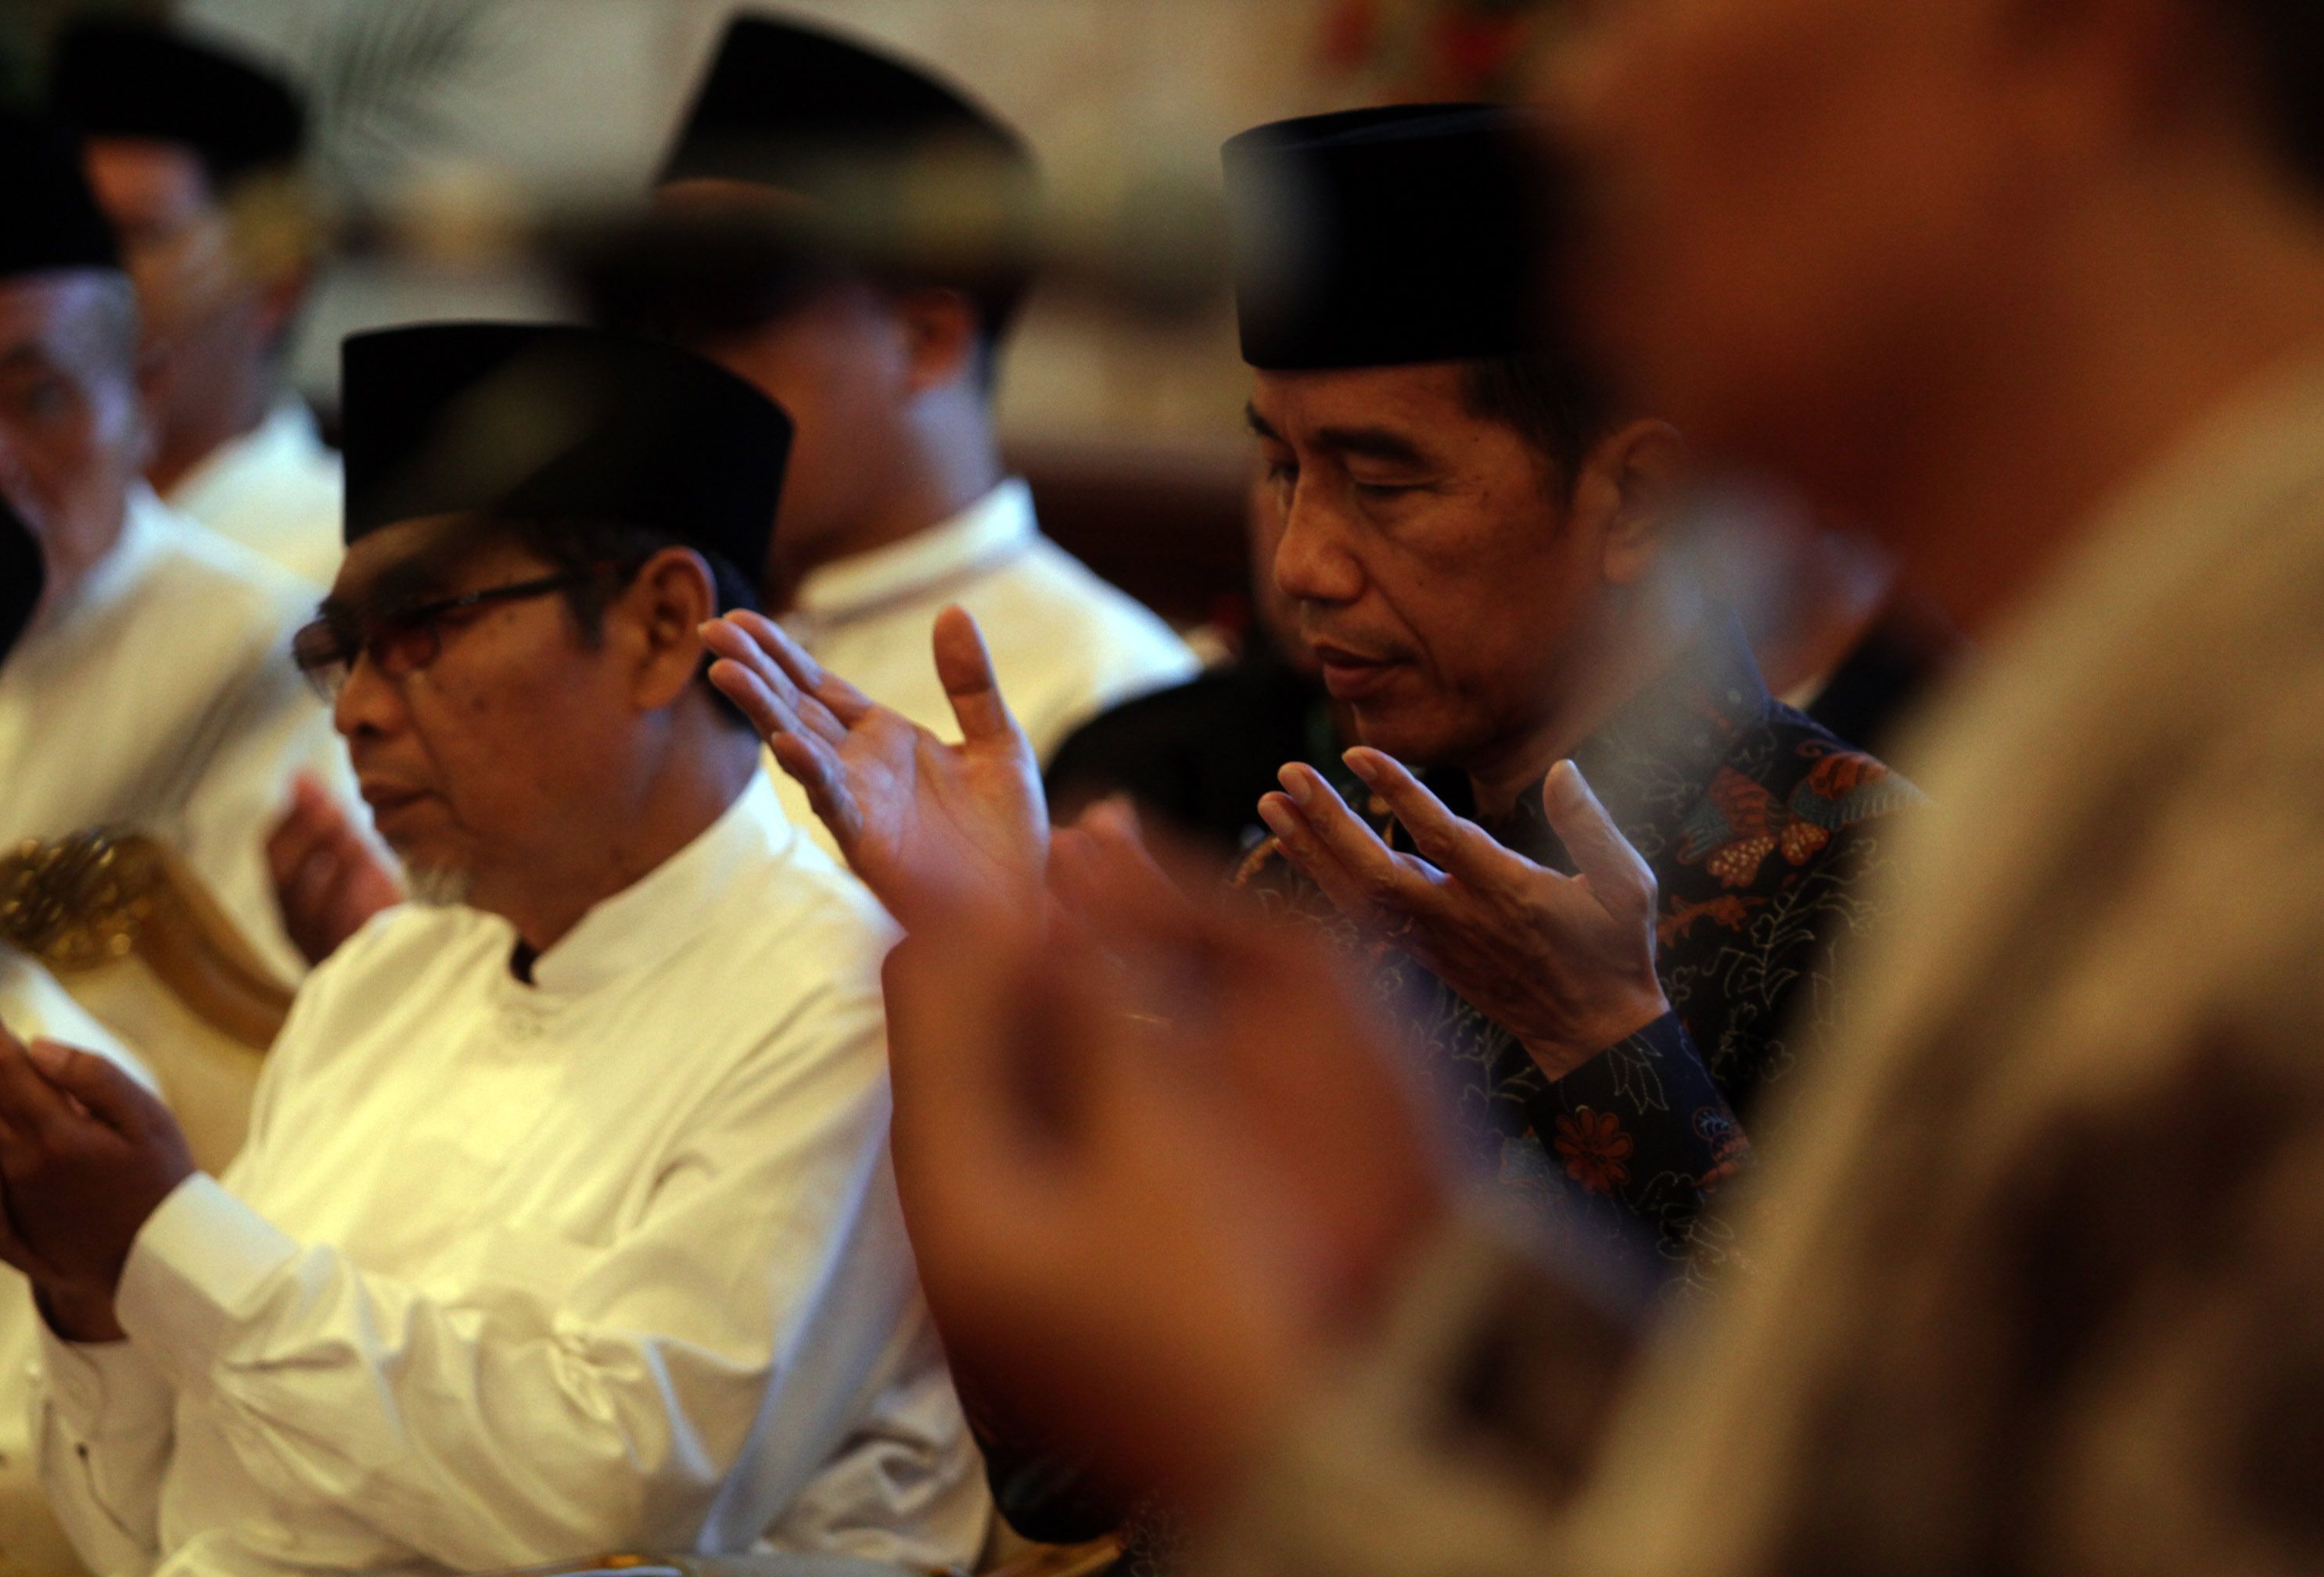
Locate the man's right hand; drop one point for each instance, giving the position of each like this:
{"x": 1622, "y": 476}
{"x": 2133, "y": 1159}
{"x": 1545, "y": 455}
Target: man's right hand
{"x": 934, "y": 829}
{"x": 1158, "y": 1163}
{"x": 327, "y": 882}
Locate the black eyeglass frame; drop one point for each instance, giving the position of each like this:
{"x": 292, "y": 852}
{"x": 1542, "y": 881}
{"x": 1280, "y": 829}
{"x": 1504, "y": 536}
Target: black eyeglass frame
{"x": 328, "y": 671}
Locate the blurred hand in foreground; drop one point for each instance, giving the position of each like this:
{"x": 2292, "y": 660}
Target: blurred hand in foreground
{"x": 1162, "y": 1168}
{"x": 87, "y": 1155}
{"x": 328, "y": 881}
{"x": 1566, "y": 964}
{"x": 932, "y": 828}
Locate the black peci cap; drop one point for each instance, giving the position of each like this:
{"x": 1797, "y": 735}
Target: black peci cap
{"x": 23, "y": 574}
{"x": 49, "y": 218}
{"x": 899, "y": 167}
{"x": 787, "y": 105}
{"x": 549, "y": 422}
{"x": 114, "y": 76}
{"x": 1383, "y": 237}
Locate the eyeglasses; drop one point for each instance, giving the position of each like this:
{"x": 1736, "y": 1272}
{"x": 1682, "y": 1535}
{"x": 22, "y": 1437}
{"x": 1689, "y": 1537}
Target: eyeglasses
{"x": 402, "y": 641}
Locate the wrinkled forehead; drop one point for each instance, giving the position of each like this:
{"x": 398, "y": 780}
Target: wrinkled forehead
{"x": 428, "y": 555}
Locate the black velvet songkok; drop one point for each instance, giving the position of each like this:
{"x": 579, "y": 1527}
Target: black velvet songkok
{"x": 900, "y": 169}
{"x": 49, "y": 219}
{"x": 547, "y": 422}
{"x": 1383, "y": 237}
{"x": 114, "y": 77}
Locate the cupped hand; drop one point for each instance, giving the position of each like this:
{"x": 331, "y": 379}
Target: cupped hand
{"x": 1566, "y": 963}
{"x": 328, "y": 881}
{"x": 1158, "y": 1166}
{"x": 932, "y": 828}
{"x": 87, "y": 1155}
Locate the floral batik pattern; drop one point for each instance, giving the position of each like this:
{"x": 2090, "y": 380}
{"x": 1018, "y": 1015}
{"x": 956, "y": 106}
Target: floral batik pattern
{"x": 1764, "y": 832}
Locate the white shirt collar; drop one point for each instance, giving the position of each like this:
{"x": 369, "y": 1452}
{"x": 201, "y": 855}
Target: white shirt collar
{"x": 667, "y": 906}
{"x": 989, "y": 532}
{"x": 288, "y": 431}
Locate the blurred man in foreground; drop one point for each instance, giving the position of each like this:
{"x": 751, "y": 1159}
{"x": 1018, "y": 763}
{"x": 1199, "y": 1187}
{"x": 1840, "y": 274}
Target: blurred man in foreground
{"x": 565, "y": 1222}
{"x": 193, "y": 153}
{"x": 2040, "y": 291}
{"x": 153, "y": 688}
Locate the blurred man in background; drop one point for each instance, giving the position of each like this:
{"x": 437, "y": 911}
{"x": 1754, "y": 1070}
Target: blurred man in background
{"x": 153, "y": 688}
{"x": 34, "y": 1006}
{"x": 193, "y": 154}
{"x": 883, "y": 211}
{"x": 2041, "y": 292}
{"x": 1473, "y": 552}
{"x": 565, "y": 1223}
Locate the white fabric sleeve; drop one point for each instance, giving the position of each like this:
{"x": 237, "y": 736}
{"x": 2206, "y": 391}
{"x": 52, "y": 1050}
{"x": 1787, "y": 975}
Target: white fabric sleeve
{"x": 580, "y": 1396}
{"x": 101, "y": 1424}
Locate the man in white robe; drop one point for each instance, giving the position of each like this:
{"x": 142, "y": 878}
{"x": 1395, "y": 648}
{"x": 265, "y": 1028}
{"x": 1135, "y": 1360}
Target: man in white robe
{"x": 898, "y": 503}
{"x": 565, "y": 1223}
{"x": 153, "y": 688}
{"x": 192, "y": 148}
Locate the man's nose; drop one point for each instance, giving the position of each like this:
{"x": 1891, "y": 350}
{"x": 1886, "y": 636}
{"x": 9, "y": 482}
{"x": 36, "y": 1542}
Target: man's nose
{"x": 1313, "y": 560}
{"x": 369, "y": 703}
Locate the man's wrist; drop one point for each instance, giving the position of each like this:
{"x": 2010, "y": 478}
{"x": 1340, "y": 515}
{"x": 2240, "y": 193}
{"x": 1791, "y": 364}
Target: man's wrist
{"x": 1562, "y": 1055}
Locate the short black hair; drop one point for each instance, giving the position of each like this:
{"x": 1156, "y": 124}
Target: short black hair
{"x": 573, "y": 546}
{"x": 1556, "y": 408}
{"x": 2284, "y": 40}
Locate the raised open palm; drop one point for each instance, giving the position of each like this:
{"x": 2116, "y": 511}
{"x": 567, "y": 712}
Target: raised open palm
{"x": 930, "y": 827}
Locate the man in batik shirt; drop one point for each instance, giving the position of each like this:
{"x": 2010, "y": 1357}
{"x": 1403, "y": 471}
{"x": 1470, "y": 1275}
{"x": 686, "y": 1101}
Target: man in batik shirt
{"x": 1760, "y": 828}
{"x": 1472, "y": 548}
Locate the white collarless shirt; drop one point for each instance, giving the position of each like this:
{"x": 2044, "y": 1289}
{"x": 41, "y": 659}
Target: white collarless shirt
{"x": 163, "y": 697}
{"x": 514, "y": 1273}
{"x": 1065, "y": 645}
{"x": 277, "y": 490}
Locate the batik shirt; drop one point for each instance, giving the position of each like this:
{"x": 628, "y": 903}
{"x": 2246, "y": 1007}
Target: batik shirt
{"x": 1761, "y": 828}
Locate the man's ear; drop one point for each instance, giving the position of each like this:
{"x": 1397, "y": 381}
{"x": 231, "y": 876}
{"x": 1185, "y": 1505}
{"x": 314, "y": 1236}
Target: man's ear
{"x": 279, "y": 298}
{"x": 942, "y": 336}
{"x": 1629, "y": 490}
{"x": 667, "y": 603}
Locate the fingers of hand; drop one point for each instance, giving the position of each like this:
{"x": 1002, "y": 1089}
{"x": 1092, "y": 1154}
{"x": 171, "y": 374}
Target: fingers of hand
{"x": 294, "y": 842}
{"x": 1617, "y": 874}
{"x": 964, "y": 666}
{"x": 1121, "y": 855}
{"x": 32, "y": 1110}
{"x": 1341, "y": 855}
{"x": 102, "y": 1087}
{"x": 759, "y": 701}
{"x": 1452, "y": 844}
{"x": 847, "y": 703}
{"x": 727, "y": 641}
{"x": 769, "y": 640}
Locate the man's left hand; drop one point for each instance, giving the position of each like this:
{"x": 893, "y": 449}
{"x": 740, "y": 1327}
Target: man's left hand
{"x": 86, "y": 1156}
{"x": 1566, "y": 963}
